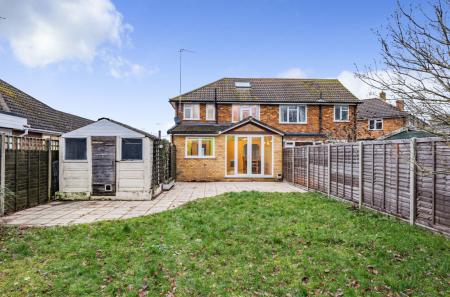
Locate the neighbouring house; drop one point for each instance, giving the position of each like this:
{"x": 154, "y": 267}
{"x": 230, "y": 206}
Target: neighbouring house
{"x": 377, "y": 118}
{"x": 106, "y": 160}
{"x": 235, "y": 128}
{"x": 21, "y": 114}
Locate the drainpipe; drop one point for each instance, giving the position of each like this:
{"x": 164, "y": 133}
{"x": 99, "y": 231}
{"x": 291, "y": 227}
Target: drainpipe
{"x": 26, "y": 131}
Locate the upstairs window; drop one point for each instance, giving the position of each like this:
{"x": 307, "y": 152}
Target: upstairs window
{"x": 75, "y": 149}
{"x": 295, "y": 114}
{"x": 199, "y": 147}
{"x": 341, "y": 113}
{"x": 376, "y": 124}
{"x": 191, "y": 112}
{"x": 210, "y": 112}
{"x": 240, "y": 112}
{"x": 131, "y": 149}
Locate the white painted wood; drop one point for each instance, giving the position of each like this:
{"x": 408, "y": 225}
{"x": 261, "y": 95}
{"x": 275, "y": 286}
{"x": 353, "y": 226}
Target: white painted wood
{"x": 103, "y": 128}
{"x": 12, "y": 122}
{"x": 133, "y": 178}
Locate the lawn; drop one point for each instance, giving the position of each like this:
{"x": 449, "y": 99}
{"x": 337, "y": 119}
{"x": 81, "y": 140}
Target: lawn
{"x": 237, "y": 244}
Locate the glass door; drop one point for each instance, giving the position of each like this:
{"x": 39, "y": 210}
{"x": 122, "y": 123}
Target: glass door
{"x": 249, "y": 156}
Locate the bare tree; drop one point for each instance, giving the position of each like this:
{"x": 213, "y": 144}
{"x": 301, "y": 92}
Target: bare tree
{"x": 415, "y": 60}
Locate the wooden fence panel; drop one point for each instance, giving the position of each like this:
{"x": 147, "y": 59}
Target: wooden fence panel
{"x": 27, "y": 181}
{"x": 385, "y": 176}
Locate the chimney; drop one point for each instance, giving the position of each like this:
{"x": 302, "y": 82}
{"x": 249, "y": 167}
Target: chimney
{"x": 400, "y": 105}
{"x": 383, "y": 95}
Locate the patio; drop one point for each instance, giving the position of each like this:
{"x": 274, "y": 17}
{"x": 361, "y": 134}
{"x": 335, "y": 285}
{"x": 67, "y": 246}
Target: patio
{"x": 60, "y": 213}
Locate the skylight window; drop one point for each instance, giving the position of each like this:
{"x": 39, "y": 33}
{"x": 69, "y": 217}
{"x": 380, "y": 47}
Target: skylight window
{"x": 242, "y": 84}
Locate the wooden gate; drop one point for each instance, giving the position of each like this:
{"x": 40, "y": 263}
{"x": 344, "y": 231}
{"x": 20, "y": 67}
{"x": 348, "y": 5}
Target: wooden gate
{"x": 103, "y": 165}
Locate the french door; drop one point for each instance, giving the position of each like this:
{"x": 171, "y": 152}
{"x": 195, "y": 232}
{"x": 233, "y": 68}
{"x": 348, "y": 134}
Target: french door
{"x": 249, "y": 156}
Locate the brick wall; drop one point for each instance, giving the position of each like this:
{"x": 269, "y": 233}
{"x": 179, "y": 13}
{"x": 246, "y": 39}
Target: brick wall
{"x": 189, "y": 169}
{"x": 389, "y": 126}
{"x": 269, "y": 114}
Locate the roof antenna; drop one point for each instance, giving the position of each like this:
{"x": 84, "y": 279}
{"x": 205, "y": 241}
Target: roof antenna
{"x": 181, "y": 51}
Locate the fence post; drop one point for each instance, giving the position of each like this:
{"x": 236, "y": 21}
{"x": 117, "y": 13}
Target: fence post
{"x": 293, "y": 164}
{"x": 412, "y": 182}
{"x": 329, "y": 170}
{"x": 2, "y": 175}
{"x": 49, "y": 176}
{"x": 361, "y": 168}
{"x": 307, "y": 167}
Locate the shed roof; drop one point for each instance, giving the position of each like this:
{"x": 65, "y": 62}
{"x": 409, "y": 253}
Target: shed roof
{"x": 270, "y": 90}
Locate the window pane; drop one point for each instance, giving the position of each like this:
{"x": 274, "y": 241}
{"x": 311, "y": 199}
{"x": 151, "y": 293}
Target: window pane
{"x": 230, "y": 155}
{"x": 302, "y": 114}
{"x": 255, "y": 112}
{"x": 344, "y": 113}
{"x": 235, "y": 113}
{"x": 379, "y": 124}
{"x": 192, "y": 147}
{"x": 292, "y": 114}
{"x": 267, "y": 155}
{"x": 371, "y": 125}
{"x": 195, "y": 111}
{"x": 337, "y": 113}
{"x": 187, "y": 112}
{"x": 207, "y": 147}
{"x": 76, "y": 149}
{"x": 210, "y": 112}
{"x": 131, "y": 149}
{"x": 284, "y": 116}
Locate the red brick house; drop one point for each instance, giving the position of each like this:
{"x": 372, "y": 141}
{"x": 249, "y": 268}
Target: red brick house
{"x": 235, "y": 128}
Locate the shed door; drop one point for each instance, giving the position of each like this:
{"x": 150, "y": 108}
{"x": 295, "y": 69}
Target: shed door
{"x": 103, "y": 166}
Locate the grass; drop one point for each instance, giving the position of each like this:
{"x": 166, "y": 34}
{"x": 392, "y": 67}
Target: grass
{"x": 237, "y": 244}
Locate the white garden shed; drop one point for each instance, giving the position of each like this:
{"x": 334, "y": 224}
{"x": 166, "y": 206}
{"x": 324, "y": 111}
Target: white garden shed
{"x": 106, "y": 160}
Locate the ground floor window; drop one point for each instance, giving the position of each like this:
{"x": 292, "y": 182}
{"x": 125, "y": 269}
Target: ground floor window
{"x": 200, "y": 147}
{"x": 249, "y": 155}
{"x": 293, "y": 143}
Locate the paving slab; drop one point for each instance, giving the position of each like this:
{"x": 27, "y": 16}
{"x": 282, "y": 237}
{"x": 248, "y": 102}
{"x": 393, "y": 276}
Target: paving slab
{"x": 62, "y": 213}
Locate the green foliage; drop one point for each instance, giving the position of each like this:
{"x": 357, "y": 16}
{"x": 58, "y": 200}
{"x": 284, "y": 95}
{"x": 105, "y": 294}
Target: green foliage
{"x": 237, "y": 244}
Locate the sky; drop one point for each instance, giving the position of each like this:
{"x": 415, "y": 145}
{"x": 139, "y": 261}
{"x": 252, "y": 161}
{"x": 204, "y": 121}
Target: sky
{"x": 119, "y": 58}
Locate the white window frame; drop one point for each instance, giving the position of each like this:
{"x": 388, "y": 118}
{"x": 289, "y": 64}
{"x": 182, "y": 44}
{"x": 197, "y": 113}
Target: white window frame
{"x": 213, "y": 107}
{"x": 249, "y": 140}
{"x": 298, "y": 112}
{"x": 200, "y": 140}
{"x": 375, "y": 124}
{"x": 289, "y": 144}
{"x": 192, "y": 106}
{"x": 340, "y": 113}
{"x": 241, "y": 106}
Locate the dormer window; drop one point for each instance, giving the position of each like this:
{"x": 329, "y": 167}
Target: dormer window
{"x": 191, "y": 112}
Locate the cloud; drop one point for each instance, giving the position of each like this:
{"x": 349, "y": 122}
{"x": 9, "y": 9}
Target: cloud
{"x": 294, "y": 72}
{"x": 46, "y": 32}
{"x": 120, "y": 67}
{"x": 356, "y": 86}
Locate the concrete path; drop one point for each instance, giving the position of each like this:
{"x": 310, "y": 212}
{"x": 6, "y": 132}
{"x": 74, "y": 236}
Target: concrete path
{"x": 79, "y": 212}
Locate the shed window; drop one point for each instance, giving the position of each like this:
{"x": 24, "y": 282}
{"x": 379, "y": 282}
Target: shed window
{"x": 75, "y": 149}
{"x": 131, "y": 149}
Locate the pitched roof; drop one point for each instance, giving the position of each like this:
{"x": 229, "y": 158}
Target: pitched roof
{"x": 198, "y": 128}
{"x": 213, "y": 128}
{"x": 39, "y": 115}
{"x": 377, "y": 108}
{"x": 271, "y": 90}
{"x": 407, "y": 133}
{"x": 130, "y": 128}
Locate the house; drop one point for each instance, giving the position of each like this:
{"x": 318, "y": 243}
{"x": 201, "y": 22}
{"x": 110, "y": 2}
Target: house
{"x": 376, "y": 118}
{"x": 235, "y": 128}
{"x": 21, "y": 114}
{"x": 106, "y": 160}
